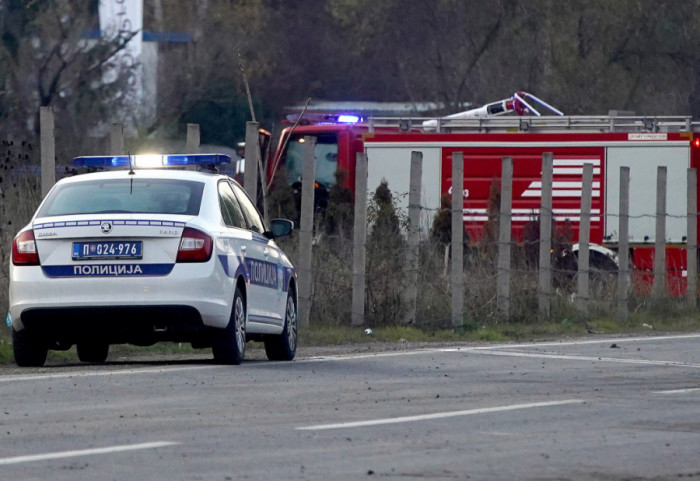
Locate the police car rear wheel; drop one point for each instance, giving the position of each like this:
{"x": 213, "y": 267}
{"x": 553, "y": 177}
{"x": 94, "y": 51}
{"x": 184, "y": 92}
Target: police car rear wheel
{"x": 284, "y": 346}
{"x": 93, "y": 352}
{"x": 29, "y": 350}
{"x": 229, "y": 345}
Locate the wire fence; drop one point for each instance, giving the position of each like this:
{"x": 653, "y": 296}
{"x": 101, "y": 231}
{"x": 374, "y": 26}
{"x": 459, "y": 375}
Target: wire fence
{"x": 505, "y": 276}
{"x": 405, "y": 274}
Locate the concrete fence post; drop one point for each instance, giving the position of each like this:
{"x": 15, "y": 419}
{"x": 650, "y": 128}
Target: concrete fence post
{"x": 359, "y": 242}
{"x": 584, "y": 238}
{"x": 624, "y": 273}
{"x": 659, "y": 286}
{"x": 504, "y": 238}
{"x": 457, "y": 239}
{"x": 692, "y": 240}
{"x": 48, "y": 149}
{"x": 252, "y": 150}
{"x": 411, "y": 266}
{"x": 306, "y": 229}
{"x": 193, "y": 136}
{"x": 116, "y": 139}
{"x": 544, "y": 299}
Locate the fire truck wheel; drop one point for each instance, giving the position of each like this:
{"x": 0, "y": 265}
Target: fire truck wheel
{"x": 603, "y": 275}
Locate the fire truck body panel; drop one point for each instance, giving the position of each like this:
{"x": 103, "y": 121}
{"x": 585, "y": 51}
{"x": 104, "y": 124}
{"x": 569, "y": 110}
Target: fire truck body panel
{"x": 643, "y": 162}
{"x": 389, "y": 158}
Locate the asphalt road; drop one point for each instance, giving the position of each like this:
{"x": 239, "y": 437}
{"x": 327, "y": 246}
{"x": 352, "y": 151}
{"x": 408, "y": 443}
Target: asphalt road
{"x": 574, "y": 410}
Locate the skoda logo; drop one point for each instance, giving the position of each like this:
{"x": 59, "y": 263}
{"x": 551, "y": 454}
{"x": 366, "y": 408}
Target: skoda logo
{"x": 106, "y": 227}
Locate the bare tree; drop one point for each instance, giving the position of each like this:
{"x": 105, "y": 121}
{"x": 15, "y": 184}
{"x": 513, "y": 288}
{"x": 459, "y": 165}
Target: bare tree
{"x": 54, "y": 60}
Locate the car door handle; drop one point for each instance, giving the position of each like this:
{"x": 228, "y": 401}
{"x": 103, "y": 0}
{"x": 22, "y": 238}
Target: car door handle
{"x": 243, "y": 249}
{"x": 266, "y": 252}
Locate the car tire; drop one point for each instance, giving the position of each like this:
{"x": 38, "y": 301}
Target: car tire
{"x": 29, "y": 350}
{"x": 284, "y": 346}
{"x": 228, "y": 346}
{"x": 92, "y": 352}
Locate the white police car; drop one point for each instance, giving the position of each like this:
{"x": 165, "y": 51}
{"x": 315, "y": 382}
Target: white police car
{"x": 141, "y": 256}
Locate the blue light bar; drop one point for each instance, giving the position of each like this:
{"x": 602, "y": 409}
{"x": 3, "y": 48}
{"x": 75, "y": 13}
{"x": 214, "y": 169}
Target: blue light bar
{"x": 348, "y": 119}
{"x": 94, "y": 161}
{"x": 196, "y": 159}
{"x": 152, "y": 160}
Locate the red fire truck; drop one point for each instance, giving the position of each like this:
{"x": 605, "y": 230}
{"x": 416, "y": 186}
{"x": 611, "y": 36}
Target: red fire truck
{"x": 607, "y": 141}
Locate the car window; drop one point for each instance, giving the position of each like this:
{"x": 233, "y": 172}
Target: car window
{"x": 252, "y": 215}
{"x": 230, "y": 209}
{"x": 161, "y": 196}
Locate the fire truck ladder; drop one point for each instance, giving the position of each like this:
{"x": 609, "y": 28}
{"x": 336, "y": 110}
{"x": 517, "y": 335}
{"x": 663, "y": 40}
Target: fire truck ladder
{"x": 491, "y": 118}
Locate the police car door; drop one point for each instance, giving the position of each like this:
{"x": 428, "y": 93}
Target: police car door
{"x": 241, "y": 246}
{"x": 266, "y": 269}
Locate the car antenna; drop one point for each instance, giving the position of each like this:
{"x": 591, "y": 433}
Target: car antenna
{"x": 131, "y": 164}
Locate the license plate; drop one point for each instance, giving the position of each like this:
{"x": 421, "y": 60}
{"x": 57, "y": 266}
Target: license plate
{"x": 107, "y": 250}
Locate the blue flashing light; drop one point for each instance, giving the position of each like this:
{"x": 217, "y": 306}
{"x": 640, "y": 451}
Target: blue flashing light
{"x": 348, "y": 119}
{"x": 94, "y": 161}
{"x": 152, "y": 160}
{"x": 196, "y": 159}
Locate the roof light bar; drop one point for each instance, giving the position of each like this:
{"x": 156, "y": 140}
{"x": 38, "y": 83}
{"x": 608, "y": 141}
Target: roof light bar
{"x": 348, "y": 119}
{"x": 152, "y": 160}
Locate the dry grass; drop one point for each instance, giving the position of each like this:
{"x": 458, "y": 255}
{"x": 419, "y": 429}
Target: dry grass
{"x": 19, "y": 198}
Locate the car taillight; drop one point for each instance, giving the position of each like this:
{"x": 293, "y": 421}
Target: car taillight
{"x": 195, "y": 246}
{"x": 24, "y": 251}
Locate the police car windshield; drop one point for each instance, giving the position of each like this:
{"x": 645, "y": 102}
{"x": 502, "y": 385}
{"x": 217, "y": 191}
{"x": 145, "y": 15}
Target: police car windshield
{"x": 133, "y": 196}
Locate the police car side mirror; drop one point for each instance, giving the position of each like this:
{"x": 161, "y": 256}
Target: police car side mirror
{"x": 279, "y": 228}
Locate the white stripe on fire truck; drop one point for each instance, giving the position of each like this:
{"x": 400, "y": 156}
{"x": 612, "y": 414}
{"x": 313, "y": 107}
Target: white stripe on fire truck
{"x": 573, "y": 171}
{"x": 533, "y": 211}
{"x": 563, "y": 185}
{"x": 525, "y": 218}
{"x": 560, "y": 193}
{"x": 525, "y": 215}
{"x": 576, "y": 161}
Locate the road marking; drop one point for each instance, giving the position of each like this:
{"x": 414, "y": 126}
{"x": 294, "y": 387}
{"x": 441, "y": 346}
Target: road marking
{"x": 593, "y": 341}
{"x": 585, "y": 358}
{"x": 466, "y": 349}
{"x": 449, "y": 414}
{"x": 344, "y": 357}
{"x": 678, "y": 391}
{"x": 84, "y": 452}
{"x": 61, "y": 375}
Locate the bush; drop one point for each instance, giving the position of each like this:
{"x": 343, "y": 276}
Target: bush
{"x": 20, "y": 194}
{"x": 385, "y": 260}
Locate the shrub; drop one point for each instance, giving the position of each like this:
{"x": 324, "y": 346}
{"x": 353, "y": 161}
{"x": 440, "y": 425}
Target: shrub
{"x": 20, "y": 194}
{"x": 385, "y": 260}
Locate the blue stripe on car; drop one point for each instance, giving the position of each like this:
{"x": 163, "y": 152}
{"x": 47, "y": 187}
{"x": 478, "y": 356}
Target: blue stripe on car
{"x": 108, "y": 270}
